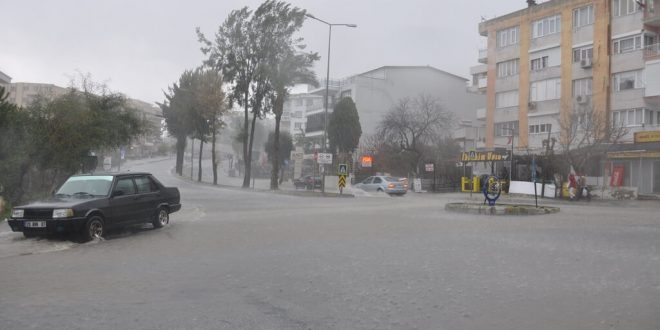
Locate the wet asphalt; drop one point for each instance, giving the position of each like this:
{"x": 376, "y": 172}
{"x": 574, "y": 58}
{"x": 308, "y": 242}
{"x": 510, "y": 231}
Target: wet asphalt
{"x": 238, "y": 259}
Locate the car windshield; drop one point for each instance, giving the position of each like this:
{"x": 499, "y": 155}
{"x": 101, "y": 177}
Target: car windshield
{"x": 391, "y": 179}
{"x": 81, "y": 186}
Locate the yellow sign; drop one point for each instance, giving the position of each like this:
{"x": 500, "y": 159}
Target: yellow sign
{"x": 650, "y": 136}
{"x": 633, "y": 154}
{"x": 342, "y": 181}
{"x": 480, "y": 156}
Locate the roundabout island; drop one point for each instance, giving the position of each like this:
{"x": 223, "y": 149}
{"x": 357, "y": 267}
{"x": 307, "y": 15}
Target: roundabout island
{"x": 492, "y": 191}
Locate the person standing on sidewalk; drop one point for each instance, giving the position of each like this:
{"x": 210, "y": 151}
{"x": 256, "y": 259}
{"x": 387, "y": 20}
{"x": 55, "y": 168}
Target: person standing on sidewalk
{"x": 572, "y": 184}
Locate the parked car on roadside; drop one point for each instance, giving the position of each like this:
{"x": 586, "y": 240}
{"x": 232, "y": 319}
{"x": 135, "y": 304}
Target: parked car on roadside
{"x": 91, "y": 203}
{"x": 387, "y": 184}
{"x": 308, "y": 182}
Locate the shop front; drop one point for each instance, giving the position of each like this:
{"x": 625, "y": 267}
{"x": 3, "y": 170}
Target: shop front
{"x": 636, "y": 164}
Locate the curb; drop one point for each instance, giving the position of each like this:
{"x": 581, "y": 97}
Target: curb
{"x": 277, "y": 192}
{"x": 500, "y": 209}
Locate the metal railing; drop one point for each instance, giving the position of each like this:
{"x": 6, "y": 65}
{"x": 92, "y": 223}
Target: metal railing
{"x": 652, "y": 51}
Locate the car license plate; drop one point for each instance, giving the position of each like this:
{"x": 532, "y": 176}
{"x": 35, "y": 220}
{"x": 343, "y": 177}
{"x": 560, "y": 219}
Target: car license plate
{"x": 35, "y": 224}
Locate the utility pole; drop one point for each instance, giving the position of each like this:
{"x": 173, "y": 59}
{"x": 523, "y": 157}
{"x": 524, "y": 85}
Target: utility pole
{"x": 327, "y": 88}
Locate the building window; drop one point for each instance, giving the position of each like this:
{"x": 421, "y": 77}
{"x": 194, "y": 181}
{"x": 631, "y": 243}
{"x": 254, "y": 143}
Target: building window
{"x": 539, "y": 63}
{"x": 506, "y": 99}
{"x": 624, "y": 7}
{"x": 298, "y": 102}
{"x": 630, "y": 118}
{"x": 583, "y": 53}
{"x": 508, "y": 68}
{"x": 314, "y": 122}
{"x": 298, "y": 114}
{"x": 346, "y": 93}
{"x": 297, "y": 125}
{"x": 651, "y": 117}
{"x": 309, "y": 102}
{"x": 545, "y": 90}
{"x": 628, "y": 80}
{"x": 583, "y": 16}
{"x": 546, "y": 26}
{"x": 582, "y": 87}
{"x": 506, "y": 129}
{"x": 627, "y": 44}
{"x": 508, "y": 37}
{"x": 540, "y": 128}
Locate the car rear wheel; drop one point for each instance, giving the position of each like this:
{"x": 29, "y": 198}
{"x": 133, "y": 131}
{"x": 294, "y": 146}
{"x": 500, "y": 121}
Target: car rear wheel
{"x": 93, "y": 229}
{"x": 162, "y": 218}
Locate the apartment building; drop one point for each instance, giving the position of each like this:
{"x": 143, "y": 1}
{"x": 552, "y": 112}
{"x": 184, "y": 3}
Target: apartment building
{"x": 377, "y": 91}
{"x": 296, "y": 108}
{"x": 22, "y": 93}
{"x": 552, "y": 60}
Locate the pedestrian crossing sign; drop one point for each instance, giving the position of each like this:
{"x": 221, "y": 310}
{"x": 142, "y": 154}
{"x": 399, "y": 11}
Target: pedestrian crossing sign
{"x": 343, "y": 169}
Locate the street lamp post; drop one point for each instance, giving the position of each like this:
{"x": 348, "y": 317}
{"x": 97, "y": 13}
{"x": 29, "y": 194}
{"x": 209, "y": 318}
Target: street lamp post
{"x": 327, "y": 88}
{"x": 513, "y": 133}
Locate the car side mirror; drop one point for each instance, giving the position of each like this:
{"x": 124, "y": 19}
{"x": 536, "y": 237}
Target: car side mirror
{"x": 117, "y": 193}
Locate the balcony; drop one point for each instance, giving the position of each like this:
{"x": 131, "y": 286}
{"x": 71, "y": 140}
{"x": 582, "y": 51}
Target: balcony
{"x": 483, "y": 56}
{"x": 652, "y": 83}
{"x": 481, "y": 69}
{"x": 652, "y": 13}
{"x": 652, "y": 52}
{"x": 478, "y": 85}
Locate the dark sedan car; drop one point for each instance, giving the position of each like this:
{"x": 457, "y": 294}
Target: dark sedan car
{"x": 90, "y": 204}
{"x": 308, "y": 182}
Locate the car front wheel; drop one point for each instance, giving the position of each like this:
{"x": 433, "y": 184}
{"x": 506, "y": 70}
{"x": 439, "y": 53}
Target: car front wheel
{"x": 93, "y": 229}
{"x": 162, "y": 218}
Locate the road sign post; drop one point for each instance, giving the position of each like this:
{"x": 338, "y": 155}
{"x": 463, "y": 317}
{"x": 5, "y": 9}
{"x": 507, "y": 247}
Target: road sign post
{"x": 342, "y": 171}
{"x": 342, "y": 183}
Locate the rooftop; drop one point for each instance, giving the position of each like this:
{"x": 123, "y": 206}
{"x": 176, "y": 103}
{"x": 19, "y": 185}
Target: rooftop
{"x": 4, "y": 78}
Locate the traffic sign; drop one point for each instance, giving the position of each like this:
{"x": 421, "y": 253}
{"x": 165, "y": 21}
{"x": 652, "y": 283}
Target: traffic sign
{"x": 342, "y": 181}
{"x": 429, "y": 167}
{"x": 325, "y": 158}
{"x": 297, "y": 155}
{"x": 343, "y": 169}
{"x": 366, "y": 160}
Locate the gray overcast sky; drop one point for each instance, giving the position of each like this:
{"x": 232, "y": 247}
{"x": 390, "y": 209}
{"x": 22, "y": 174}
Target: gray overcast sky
{"x": 140, "y": 47}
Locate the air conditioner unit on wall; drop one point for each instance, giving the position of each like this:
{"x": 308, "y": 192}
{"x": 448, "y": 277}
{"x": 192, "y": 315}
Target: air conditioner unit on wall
{"x": 582, "y": 99}
{"x": 585, "y": 63}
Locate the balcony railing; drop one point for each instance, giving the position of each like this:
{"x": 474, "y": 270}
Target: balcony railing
{"x": 652, "y": 52}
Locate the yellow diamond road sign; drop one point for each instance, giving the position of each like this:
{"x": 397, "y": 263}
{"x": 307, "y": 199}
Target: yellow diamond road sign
{"x": 342, "y": 181}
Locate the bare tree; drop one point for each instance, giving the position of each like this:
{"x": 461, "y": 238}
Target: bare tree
{"x": 413, "y": 124}
{"x": 587, "y": 133}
